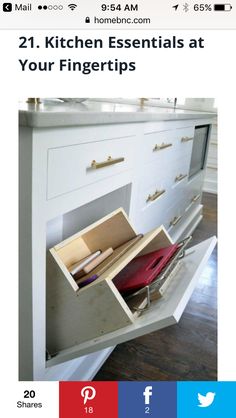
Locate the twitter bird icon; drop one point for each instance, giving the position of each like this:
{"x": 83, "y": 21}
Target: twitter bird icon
{"x": 205, "y": 401}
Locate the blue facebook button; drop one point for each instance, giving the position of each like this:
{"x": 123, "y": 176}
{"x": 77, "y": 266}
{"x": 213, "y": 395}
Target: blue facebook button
{"x": 147, "y": 399}
{"x": 206, "y": 399}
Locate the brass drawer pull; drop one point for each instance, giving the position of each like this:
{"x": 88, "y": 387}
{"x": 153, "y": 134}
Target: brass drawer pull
{"x": 175, "y": 220}
{"x": 186, "y": 138}
{"x": 180, "y": 177}
{"x": 155, "y": 195}
{"x": 162, "y": 146}
{"x": 110, "y": 161}
{"x": 195, "y": 198}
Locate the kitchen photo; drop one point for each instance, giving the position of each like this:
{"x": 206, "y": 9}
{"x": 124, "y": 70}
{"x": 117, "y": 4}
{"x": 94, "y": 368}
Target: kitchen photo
{"x": 118, "y": 247}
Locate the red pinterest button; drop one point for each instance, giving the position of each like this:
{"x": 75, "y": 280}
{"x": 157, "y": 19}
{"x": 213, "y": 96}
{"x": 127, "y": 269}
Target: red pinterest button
{"x": 88, "y": 399}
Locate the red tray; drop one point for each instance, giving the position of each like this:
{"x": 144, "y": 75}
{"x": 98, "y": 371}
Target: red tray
{"x": 141, "y": 271}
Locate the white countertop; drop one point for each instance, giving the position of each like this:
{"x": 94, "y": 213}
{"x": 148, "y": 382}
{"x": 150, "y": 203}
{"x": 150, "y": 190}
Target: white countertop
{"x": 52, "y": 114}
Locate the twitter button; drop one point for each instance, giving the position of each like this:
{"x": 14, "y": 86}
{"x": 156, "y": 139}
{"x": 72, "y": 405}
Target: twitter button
{"x": 206, "y": 399}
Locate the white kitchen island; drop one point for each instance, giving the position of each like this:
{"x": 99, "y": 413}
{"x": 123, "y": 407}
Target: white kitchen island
{"x": 79, "y": 163}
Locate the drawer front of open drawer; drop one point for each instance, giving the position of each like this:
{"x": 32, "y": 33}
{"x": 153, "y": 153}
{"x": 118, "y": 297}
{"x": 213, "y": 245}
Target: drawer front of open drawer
{"x": 162, "y": 313}
{"x": 73, "y": 167}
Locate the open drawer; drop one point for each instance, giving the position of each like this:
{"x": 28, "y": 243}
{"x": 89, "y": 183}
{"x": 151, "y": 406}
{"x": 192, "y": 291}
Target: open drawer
{"x": 84, "y": 320}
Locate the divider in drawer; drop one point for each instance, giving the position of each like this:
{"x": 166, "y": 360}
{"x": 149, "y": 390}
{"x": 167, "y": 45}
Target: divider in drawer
{"x": 81, "y": 321}
{"x": 75, "y": 166}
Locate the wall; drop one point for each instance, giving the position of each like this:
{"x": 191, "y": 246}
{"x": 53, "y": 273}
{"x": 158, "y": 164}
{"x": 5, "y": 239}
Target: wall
{"x": 210, "y": 182}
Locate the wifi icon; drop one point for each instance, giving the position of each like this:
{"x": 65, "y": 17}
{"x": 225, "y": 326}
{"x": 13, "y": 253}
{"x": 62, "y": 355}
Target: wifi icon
{"x": 72, "y": 6}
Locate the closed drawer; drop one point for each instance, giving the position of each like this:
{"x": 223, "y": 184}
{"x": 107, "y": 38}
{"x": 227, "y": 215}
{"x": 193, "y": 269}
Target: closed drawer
{"x": 174, "y": 217}
{"x": 163, "y": 209}
{"x": 155, "y": 182}
{"x": 73, "y": 167}
{"x": 162, "y": 146}
{"x": 194, "y": 189}
{"x": 153, "y": 213}
{"x": 185, "y": 141}
{"x": 162, "y": 202}
{"x": 180, "y": 170}
{"x": 179, "y": 194}
{"x": 192, "y": 195}
{"x": 181, "y": 201}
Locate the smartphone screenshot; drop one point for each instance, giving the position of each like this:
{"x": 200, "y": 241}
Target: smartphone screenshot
{"x": 118, "y": 208}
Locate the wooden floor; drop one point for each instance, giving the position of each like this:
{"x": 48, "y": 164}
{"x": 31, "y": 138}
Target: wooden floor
{"x": 188, "y": 350}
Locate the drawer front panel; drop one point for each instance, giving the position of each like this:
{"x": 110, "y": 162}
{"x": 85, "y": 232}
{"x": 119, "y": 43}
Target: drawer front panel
{"x": 194, "y": 189}
{"x": 163, "y": 145}
{"x": 153, "y": 214}
{"x": 156, "y": 178}
{"x": 179, "y": 195}
{"x": 162, "y": 211}
{"x": 180, "y": 171}
{"x": 159, "y": 146}
{"x": 194, "y": 194}
{"x": 73, "y": 167}
{"x": 174, "y": 217}
{"x": 172, "y": 203}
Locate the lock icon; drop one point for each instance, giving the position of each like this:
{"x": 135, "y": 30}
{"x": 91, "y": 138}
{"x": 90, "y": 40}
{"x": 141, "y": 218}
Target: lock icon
{"x": 87, "y": 19}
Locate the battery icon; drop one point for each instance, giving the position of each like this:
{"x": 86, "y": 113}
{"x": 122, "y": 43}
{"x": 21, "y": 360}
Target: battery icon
{"x": 222, "y": 7}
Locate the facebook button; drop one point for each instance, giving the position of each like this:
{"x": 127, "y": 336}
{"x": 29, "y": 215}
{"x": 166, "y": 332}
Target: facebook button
{"x": 140, "y": 399}
{"x": 7, "y": 7}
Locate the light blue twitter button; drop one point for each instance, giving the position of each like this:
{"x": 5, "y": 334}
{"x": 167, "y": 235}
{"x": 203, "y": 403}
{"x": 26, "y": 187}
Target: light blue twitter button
{"x": 206, "y": 399}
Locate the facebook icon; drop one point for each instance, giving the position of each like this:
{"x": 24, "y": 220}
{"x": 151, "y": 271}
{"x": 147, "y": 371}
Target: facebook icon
{"x": 143, "y": 399}
{"x": 147, "y": 394}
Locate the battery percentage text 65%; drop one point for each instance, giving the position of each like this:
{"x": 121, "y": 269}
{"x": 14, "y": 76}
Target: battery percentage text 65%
{"x": 202, "y": 7}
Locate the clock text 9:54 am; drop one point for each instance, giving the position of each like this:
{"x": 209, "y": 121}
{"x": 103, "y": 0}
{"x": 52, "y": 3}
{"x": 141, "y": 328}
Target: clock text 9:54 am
{"x": 119, "y": 8}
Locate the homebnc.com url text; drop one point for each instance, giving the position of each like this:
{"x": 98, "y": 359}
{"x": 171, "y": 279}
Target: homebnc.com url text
{"x": 122, "y": 20}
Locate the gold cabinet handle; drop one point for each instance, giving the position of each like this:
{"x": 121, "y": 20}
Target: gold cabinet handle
{"x": 154, "y": 196}
{"x": 142, "y": 101}
{"x": 162, "y": 146}
{"x": 33, "y": 100}
{"x": 109, "y": 161}
{"x": 175, "y": 220}
{"x": 186, "y": 138}
{"x": 180, "y": 177}
{"x": 195, "y": 198}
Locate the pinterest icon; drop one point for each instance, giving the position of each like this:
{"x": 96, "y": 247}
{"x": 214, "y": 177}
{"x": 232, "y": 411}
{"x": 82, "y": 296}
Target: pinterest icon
{"x": 88, "y": 393}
